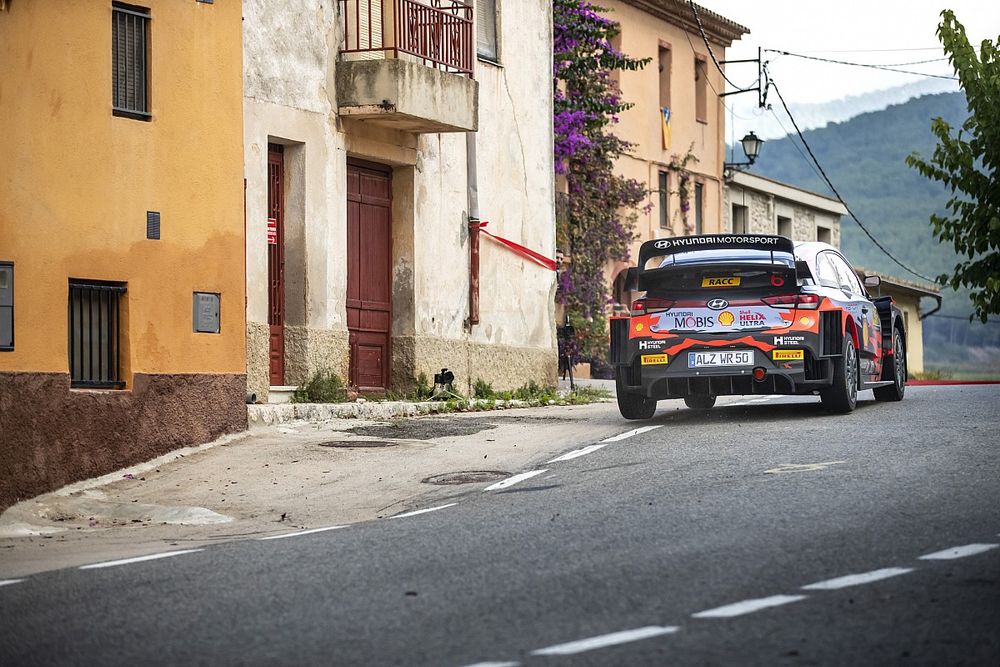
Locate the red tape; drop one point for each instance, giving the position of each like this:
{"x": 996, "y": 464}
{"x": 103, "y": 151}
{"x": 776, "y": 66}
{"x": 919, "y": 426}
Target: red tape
{"x": 527, "y": 253}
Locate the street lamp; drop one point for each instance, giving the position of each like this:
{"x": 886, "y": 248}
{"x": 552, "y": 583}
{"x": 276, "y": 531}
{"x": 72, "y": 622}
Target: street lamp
{"x": 751, "y": 148}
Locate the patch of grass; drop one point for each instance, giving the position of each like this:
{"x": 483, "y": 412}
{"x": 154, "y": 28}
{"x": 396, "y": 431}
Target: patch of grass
{"x": 932, "y": 374}
{"x": 482, "y": 389}
{"x": 584, "y": 395}
{"x": 322, "y": 387}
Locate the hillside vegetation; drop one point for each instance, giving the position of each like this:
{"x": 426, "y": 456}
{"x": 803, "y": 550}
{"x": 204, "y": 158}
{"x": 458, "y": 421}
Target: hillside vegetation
{"x": 864, "y": 157}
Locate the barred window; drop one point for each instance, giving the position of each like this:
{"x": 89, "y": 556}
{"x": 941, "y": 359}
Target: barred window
{"x": 130, "y": 61}
{"x": 95, "y": 334}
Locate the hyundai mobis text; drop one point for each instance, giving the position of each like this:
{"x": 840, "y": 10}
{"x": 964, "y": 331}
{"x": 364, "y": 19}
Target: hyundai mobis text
{"x": 734, "y": 314}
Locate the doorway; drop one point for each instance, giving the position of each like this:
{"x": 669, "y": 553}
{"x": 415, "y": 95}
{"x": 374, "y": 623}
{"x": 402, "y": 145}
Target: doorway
{"x": 276, "y": 263}
{"x": 369, "y": 277}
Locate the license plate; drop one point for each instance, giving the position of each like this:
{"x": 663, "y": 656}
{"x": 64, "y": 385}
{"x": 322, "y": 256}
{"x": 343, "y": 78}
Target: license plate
{"x": 729, "y": 281}
{"x": 720, "y": 358}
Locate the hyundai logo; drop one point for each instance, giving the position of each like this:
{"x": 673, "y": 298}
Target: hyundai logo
{"x": 718, "y": 304}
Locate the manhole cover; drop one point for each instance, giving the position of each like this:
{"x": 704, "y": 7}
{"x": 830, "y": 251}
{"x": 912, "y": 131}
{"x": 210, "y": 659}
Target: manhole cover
{"x": 355, "y": 444}
{"x": 467, "y": 477}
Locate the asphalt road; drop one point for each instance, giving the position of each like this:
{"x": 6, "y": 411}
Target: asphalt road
{"x": 657, "y": 548}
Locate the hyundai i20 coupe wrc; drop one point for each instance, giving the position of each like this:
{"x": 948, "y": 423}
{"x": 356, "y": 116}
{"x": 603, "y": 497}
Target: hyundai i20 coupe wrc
{"x": 732, "y": 314}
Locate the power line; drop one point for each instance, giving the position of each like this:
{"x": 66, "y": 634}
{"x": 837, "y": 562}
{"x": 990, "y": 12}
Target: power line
{"x": 834, "y": 189}
{"x": 792, "y": 141}
{"x": 887, "y": 68}
{"x": 708, "y": 46}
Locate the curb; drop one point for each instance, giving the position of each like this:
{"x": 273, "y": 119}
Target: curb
{"x": 266, "y": 415}
{"x": 945, "y": 383}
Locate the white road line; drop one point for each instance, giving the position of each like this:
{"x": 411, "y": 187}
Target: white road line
{"x": 629, "y": 434}
{"x": 8, "y": 582}
{"x": 423, "y": 511}
{"x": 495, "y": 664}
{"x": 857, "y": 579}
{"x": 748, "y": 606}
{"x": 959, "y": 552}
{"x": 613, "y": 639}
{"x": 577, "y": 453}
{"x": 301, "y": 532}
{"x": 139, "y": 559}
{"x": 511, "y": 481}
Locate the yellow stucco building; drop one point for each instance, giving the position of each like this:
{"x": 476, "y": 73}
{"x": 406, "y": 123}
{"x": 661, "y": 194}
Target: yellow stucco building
{"x": 121, "y": 234}
{"x": 682, "y": 166}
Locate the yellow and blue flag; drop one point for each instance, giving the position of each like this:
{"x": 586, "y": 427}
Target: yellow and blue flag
{"x": 665, "y": 122}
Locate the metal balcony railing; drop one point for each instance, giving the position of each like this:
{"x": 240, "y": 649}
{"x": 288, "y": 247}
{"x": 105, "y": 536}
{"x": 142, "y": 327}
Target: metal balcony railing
{"x": 438, "y": 34}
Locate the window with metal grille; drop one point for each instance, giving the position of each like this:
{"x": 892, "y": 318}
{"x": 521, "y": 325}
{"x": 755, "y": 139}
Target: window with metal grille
{"x": 95, "y": 334}
{"x": 486, "y": 30}
{"x": 129, "y": 61}
{"x": 699, "y": 208}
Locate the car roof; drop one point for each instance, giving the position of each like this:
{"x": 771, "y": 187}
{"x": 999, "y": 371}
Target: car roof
{"x": 807, "y": 250}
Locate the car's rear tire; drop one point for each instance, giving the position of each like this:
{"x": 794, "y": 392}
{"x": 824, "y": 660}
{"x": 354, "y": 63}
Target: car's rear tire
{"x": 633, "y": 406}
{"x": 842, "y": 396}
{"x": 894, "y": 369}
{"x": 700, "y": 401}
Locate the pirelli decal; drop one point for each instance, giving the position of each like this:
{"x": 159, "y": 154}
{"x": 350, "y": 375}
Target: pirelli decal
{"x": 788, "y": 355}
{"x": 733, "y": 281}
{"x": 653, "y": 359}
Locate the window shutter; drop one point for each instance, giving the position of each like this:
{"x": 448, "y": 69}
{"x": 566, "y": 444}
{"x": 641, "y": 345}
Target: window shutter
{"x": 486, "y": 28}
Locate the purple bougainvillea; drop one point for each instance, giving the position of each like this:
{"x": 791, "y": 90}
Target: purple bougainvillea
{"x": 596, "y": 211}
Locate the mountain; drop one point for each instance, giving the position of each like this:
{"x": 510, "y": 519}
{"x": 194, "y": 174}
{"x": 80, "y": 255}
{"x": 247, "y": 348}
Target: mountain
{"x": 747, "y": 117}
{"x": 865, "y": 159}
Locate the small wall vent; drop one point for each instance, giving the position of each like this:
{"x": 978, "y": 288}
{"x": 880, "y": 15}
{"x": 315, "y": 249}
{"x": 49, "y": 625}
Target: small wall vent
{"x": 152, "y": 225}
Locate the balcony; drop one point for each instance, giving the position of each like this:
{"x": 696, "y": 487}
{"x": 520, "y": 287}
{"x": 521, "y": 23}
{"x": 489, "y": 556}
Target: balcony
{"x": 408, "y": 65}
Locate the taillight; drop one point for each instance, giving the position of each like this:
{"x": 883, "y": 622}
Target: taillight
{"x": 800, "y": 301}
{"x": 650, "y": 305}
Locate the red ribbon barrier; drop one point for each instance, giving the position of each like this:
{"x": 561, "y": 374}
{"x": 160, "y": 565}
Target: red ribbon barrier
{"x": 527, "y": 253}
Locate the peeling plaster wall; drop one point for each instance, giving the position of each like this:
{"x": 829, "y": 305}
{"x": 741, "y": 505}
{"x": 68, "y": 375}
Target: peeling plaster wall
{"x": 290, "y": 62}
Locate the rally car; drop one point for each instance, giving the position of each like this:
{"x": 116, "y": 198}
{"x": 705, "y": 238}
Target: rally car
{"x": 732, "y": 314}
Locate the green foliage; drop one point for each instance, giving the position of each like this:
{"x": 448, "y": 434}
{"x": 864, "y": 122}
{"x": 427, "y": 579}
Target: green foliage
{"x": 322, "y": 387}
{"x": 966, "y": 162}
{"x": 482, "y": 389}
{"x": 422, "y": 388}
{"x": 585, "y": 394}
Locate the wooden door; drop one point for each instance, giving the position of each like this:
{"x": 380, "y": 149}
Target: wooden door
{"x": 276, "y": 263}
{"x": 369, "y": 284}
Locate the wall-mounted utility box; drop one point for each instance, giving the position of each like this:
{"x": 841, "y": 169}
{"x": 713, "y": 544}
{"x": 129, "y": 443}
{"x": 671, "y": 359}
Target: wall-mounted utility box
{"x": 207, "y": 307}
{"x": 6, "y": 305}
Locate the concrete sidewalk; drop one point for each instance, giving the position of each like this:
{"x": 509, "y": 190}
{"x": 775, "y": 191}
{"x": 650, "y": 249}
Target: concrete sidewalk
{"x": 287, "y": 476}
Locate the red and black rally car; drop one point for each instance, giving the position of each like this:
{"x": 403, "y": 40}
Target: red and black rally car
{"x": 732, "y": 314}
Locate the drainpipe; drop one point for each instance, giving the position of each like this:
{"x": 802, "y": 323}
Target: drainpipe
{"x": 473, "y": 185}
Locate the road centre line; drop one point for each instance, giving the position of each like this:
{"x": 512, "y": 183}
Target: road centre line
{"x": 629, "y": 434}
{"x": 138, "y": 559}
{"x": 601, "y": 641}
{"x": 495, "y": 664}
{"x": 423, "y": 511}
{"x": 748, "y": 606}
{"x": 857, "y": 579}
{"x": 301, "y": 532}
{"x": 511, "y": 481}
{"x": 8, "y": 582}
{"x": 577, "y": 453}
{"x": 959, "y": 552}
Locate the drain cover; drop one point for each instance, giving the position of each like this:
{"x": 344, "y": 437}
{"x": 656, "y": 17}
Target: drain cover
{"x": 355, "y": 444}
{"x": 467, "y": 477}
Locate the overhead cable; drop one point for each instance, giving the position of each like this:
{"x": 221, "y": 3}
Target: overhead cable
{"x": 887, "y": 68}
{"x": 701, "y": 29}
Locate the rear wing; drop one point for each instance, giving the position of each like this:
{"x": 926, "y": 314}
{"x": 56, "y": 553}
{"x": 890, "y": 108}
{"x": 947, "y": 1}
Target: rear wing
{"x": 777, "y": 253}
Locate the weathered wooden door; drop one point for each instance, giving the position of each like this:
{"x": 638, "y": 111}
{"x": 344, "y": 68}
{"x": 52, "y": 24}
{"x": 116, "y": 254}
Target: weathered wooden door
{"x": 369, "y": 284}
{"x": 276, "y": 262}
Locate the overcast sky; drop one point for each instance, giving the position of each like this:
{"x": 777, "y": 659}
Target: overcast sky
{"x": 852, "y": 31}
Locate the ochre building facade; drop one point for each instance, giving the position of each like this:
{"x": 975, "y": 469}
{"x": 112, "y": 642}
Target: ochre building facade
{"x": 121, "y": 235}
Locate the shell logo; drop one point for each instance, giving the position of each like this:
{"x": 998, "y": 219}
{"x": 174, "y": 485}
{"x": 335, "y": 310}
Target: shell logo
{"x": 805, "y": 321}
{"x": 638, "y": 327}
{"x": 726, "y": 318}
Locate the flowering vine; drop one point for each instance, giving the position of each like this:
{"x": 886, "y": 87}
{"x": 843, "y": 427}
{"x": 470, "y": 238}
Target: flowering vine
{"x": 678, "y": 164}
{"x": 595, "y": 211}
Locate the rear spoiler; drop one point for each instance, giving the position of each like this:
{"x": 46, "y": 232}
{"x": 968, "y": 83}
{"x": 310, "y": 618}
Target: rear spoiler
{"x": 665, "y": 247}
